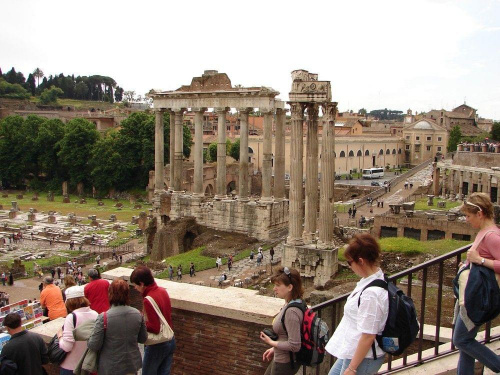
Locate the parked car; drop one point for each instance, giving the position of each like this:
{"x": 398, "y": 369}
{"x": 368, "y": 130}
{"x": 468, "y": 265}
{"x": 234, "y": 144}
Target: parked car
{"x": 375, "y": 183}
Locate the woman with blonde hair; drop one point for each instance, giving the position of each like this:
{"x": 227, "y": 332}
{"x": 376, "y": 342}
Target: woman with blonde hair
{"x": 485, "y": 251}
{"x": 288, "y": 286}
{"x": 69, "y": 281}
{"x": 79, "y": 312}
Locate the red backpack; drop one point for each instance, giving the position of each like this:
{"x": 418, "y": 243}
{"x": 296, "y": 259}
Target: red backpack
{"x": 314, "y": 336}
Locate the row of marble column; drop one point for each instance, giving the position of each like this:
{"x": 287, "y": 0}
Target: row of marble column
{"x": 300, "y": 234}
{"x": 176, "y": 153}
{"x": 454, "y": 177}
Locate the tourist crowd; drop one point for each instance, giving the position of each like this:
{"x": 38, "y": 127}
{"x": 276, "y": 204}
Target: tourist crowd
{"x": 101, "y": 331}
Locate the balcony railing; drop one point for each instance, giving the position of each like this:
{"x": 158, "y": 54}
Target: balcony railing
{"x": 429, "y": 284}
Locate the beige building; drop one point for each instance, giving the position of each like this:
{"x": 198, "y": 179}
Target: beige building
{"x": 423, "y": 140}
{"x": 464, "y": 116}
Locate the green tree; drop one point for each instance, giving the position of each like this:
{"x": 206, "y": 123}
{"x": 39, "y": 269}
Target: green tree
{"x": 14, "y": 77}
{"x": 454, "y": 138}
{"x": 106, "y": 163}
{"x": 212, "y": 152}
{"x": 12, "y": 91}
{"x": 31, "y": 85}
{"x": 495, "y": 131}
{"x": 234, "y": 151}
{"x": 81, "y": 90}
{"x": 49, "y": 134}
{"x": 12, "y": 168}
{"x": 38, "y": 73}
{"x": 76, "y": 147}
{"x": 362, "y": 112}
{"x": 49, "y": 96}
{"x": 118, "y": 94}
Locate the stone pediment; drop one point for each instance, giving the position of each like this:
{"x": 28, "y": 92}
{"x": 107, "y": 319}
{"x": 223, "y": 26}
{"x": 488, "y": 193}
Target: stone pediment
{"x": 211, "y": 80}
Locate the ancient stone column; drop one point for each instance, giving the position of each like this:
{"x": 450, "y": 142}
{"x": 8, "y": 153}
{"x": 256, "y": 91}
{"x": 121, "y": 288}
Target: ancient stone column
{"x": 243, "y": 175}
{"x": 296, "y": 175}
{"x": 311, "y": 208}
{"x": 326, "y": 204}
{"x": 198, "y": 150}
{"x": 460, "y": 184}
{"x": 220, "y": 191}
{"x": 488, "y": 185}
{"x": 279, "y": 157}
{"x": 178, "y": 149}
{"x": 267, "y": 160}
{"x": 435, "y": 178}
{"x": 159, "y": 150}
{"x": 172, "y": 150}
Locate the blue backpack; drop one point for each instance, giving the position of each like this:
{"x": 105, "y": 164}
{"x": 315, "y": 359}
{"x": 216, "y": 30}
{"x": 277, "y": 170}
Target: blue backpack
{"x": 402, "y": 327}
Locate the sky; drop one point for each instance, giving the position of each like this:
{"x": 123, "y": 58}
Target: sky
{"x": 396, "y": 54}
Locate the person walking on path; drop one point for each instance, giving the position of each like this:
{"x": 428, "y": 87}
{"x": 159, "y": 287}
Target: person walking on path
{"x": 53, "y": 272}
{"x": 191, "y": 270}
{"x": 11, "y": 279}
{"x": 218, "y": 263}
{"x": 350, "y": 212}
{"x": 271, "y": 252}
{"x": 170, "y": 272}
{"x": 229, "y": 262}
{"x": 25, "y": 348}
{"x": 260, "y": 256}
{"x": 179, "y": 272}
{"x": 3, "y": 278}
{"x": 354, "y": 210}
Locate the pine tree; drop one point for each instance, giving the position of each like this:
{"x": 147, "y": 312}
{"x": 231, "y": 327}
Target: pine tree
{"x": 454, "y": 138}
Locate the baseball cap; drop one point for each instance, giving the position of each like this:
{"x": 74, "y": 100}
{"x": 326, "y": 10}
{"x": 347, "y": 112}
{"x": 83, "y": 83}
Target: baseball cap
{"x": 74, "y": 292}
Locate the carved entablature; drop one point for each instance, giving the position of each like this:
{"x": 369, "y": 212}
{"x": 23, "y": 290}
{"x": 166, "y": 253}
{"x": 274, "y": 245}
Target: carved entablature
{"x": 211, "y": 80}
{"x": 307, "y": 88}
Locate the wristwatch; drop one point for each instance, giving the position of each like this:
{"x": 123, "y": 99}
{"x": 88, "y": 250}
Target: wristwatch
{"x": 483, "y": 260}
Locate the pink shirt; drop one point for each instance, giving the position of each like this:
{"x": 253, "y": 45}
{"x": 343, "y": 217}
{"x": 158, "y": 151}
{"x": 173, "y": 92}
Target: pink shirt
{"x": 67, "y": 342}
{"x": 489, "y": 248}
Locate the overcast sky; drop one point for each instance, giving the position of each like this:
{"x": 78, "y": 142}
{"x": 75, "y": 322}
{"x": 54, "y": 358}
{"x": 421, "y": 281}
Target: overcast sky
{"x": 395, "y": 54}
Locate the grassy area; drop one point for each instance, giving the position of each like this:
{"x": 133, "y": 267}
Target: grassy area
{"x": 421, "y": 204}
{"x": 90, "y": 208}
{"x": 200, "y": 261}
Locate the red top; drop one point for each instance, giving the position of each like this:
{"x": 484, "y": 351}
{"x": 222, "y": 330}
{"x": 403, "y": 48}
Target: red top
{"x": 97, "y": 293}
{"x": 162, "y": 299}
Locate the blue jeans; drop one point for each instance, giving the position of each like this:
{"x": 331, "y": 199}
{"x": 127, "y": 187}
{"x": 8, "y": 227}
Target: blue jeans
{"x": 470, "y": 350}
{"x": 158, "y": 358}
{"x": 368, "y": 366}
{"x": 64, "y": 371}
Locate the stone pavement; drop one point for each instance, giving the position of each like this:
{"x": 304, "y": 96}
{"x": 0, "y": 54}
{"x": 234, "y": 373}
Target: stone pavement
{"x": 396, "y": 195}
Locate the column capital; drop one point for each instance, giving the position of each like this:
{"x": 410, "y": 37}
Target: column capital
{"x": 199, "y": 109}
{"x": 330, "y": 109}
{"x": 178, "y": 110}
{"x": 160, "y": 110}
{"x": 266, "y": 111}
{"x": 221, "y": 109}
{"x": 297, "y": 110}
{"x": 312, "y": 110}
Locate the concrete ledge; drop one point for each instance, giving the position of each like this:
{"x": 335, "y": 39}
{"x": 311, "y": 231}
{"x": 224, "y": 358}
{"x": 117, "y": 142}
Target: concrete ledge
{"x": 233, "y": 303}
{"x": 49, "y": 329}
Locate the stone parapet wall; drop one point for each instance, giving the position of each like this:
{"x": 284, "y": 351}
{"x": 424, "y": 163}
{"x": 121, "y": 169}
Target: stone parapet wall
{"x": 476, "y": 159}
{"x": 216, "y": 330}
{"x": 264, "y": 221}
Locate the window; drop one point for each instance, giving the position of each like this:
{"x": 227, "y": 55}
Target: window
{"x": 359, "y": 153}
{"x": 428, "y": 148}
{"x": 439, "y": 148}
{"x": 351, "y": 153}
{"x": 418, "y": 138}
{"x": 429, "y": 138}
{"x": 394, "y": 151}
{"x": 367, "y": 153}
{"x": 408, "y": 137}
{"x": 381, "y": 152}
{"x": 440, "y": 139}
{"x": 342, "y": 154}
{"x": 407, "y": 147}
{"x": 387, "y": 152}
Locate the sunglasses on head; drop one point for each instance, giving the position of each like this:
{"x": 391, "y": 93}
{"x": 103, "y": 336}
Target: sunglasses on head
{"x": 286, "y": 271}
{"x": 474, "y": 205}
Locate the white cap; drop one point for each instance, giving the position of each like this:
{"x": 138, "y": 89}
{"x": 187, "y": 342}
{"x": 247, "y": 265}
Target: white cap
{"x": 74, "y": 292}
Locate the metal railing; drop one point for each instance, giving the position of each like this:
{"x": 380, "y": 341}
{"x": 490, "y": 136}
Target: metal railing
{"x": 426, "y": 284}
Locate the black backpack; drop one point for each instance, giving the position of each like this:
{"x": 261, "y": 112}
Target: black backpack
{"x": 314, "y": 336}
{"x": 402, "y": 327}
{"x": 482, "y": 295}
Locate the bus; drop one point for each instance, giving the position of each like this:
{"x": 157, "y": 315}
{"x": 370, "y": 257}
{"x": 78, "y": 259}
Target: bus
{"x": 373, "y": 173}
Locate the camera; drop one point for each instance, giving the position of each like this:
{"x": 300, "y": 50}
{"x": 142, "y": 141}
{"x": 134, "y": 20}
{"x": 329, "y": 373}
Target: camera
{"x": 270, "y": 333}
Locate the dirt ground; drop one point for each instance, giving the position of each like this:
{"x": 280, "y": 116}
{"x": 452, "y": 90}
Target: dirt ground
{"x": 221, "y": 243}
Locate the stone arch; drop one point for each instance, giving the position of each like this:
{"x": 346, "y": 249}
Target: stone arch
{"x": 187, "y": 241}
{"x": 367, "y": 153}
{"x": 394, "y": 151}
{"x": 209, "y": 190}
{"x": 342, "y": 154}
{"x": 351, "y": 153}
{"x": 381, "y": 152}
{"x": 387, "y": 152}
{"x": 230, "y": 187}
{"x": 399, "y": 151}
{"x": 360, "y": 153}
{"x": 250, "y": 150}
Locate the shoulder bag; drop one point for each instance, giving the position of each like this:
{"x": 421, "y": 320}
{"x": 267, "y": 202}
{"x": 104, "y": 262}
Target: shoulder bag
{"x": 55, "y": 353}
{"x": 166, "y": 333}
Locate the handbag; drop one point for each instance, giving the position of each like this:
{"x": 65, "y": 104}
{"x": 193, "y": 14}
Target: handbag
{"x": 55, "y": 353}
{"x": 166, "y": 333}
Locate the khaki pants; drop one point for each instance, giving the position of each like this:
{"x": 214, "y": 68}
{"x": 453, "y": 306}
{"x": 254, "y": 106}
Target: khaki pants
{"x": 276, "y": 368}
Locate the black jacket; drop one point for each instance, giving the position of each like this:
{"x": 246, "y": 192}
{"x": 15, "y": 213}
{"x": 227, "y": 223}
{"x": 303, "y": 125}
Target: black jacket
{"x": 28, "y": 351}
